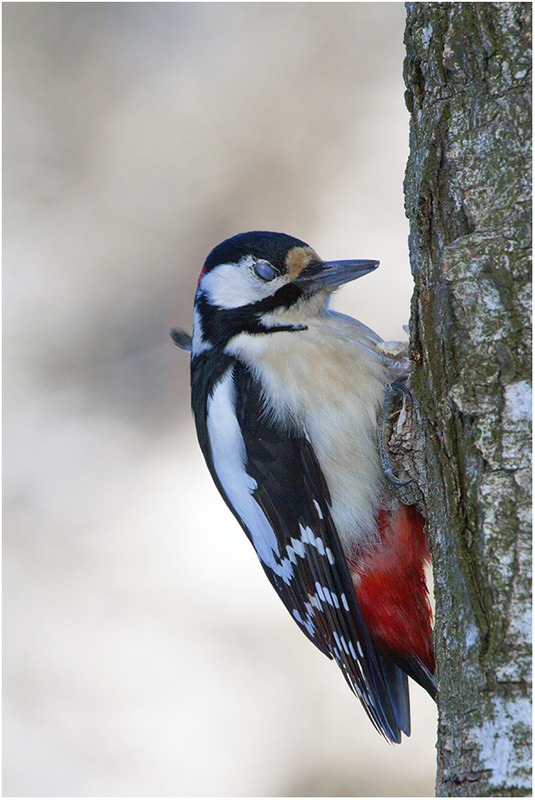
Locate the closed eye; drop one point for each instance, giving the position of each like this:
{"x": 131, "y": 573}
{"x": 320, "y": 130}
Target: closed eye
{"x": 264, "y": 271}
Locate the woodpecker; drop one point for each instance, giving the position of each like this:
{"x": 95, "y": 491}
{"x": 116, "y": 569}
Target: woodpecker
{"x": 286, "y": 395}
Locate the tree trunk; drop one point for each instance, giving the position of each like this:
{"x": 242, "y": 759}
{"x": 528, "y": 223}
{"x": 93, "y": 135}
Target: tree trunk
{"x": 468, "y": 186}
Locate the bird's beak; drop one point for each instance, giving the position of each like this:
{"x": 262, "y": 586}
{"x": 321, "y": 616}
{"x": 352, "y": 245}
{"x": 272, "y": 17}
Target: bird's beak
{"x": 332, "y": 274}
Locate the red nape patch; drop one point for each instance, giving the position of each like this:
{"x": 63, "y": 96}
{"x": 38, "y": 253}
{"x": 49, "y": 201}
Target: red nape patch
{"x": 392, "y": 591}
{"x": 201, "y": 273}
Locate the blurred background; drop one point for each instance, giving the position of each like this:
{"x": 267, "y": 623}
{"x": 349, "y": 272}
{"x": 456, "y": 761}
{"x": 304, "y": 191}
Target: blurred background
{"x": 144, "y": 651}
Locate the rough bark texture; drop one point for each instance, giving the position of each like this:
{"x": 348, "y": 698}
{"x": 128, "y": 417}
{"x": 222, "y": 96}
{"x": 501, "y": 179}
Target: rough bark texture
{"x": 468, "y": 186}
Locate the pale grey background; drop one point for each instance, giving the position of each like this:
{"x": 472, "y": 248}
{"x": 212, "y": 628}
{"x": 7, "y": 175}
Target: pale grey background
{"x": 145, "y": 652}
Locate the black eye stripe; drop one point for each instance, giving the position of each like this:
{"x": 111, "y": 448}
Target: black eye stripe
{"x": 264, "y": 270}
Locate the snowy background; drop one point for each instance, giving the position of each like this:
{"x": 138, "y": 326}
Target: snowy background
{"x": 144, "y": 651}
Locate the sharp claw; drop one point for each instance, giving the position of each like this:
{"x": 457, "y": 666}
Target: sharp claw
{"x": 396, "y": 386}
{"x": 395, "y": 480}
{"x": 399, "y": 386}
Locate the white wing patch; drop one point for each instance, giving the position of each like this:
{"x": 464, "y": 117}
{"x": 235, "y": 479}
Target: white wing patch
{"x": 229, "y": 458}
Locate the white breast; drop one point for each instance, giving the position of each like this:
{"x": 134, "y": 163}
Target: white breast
{"x": 329, "y": 381}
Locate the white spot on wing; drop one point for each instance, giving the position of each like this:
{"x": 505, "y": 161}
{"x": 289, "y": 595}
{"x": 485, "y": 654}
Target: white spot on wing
{"x": 315, "y": 602}
{"x": 320, "y": 546}
{"x": 341, "y": 643}
{"x": 295, "y": 547}
{"x": 318, "y": 509}
{"x": 323, "y": 593}
{"x": 308, "y": 624}
{"x": 319, "y": 592}
{"x": 306, "y": 535}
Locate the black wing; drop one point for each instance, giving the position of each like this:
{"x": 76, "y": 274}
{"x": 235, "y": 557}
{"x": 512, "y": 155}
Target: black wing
{"x": 286, "y": 515}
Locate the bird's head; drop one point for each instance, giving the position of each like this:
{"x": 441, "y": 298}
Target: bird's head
{"x": 261, "y": 282}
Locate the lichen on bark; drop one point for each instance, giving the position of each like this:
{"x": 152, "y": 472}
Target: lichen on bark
{"x": 468, "y": 199}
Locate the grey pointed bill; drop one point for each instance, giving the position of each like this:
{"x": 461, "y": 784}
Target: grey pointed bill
{"x": 332, "y": 274}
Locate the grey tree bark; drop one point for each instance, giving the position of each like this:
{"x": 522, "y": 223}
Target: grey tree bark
{"x": 468, "y": 194}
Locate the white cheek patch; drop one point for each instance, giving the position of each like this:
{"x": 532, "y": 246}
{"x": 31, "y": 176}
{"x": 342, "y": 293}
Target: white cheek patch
{"x": 229, "y": 458}
{"x": 235, "y": 285}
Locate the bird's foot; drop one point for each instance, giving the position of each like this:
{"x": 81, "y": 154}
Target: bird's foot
{"x": 391, "y": 389}
{"x": 396, "y": 355}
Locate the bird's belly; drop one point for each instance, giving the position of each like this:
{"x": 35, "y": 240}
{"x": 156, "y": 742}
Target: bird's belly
{"x": 345, "y": 442}
{"x": 331, "y": 389}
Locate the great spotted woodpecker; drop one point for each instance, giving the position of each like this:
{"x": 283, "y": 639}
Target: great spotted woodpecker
{"x": 286, "y": 396}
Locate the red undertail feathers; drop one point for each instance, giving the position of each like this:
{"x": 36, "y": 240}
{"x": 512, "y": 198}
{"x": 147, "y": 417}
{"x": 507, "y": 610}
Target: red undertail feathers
{"x": 392, "y": 593}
